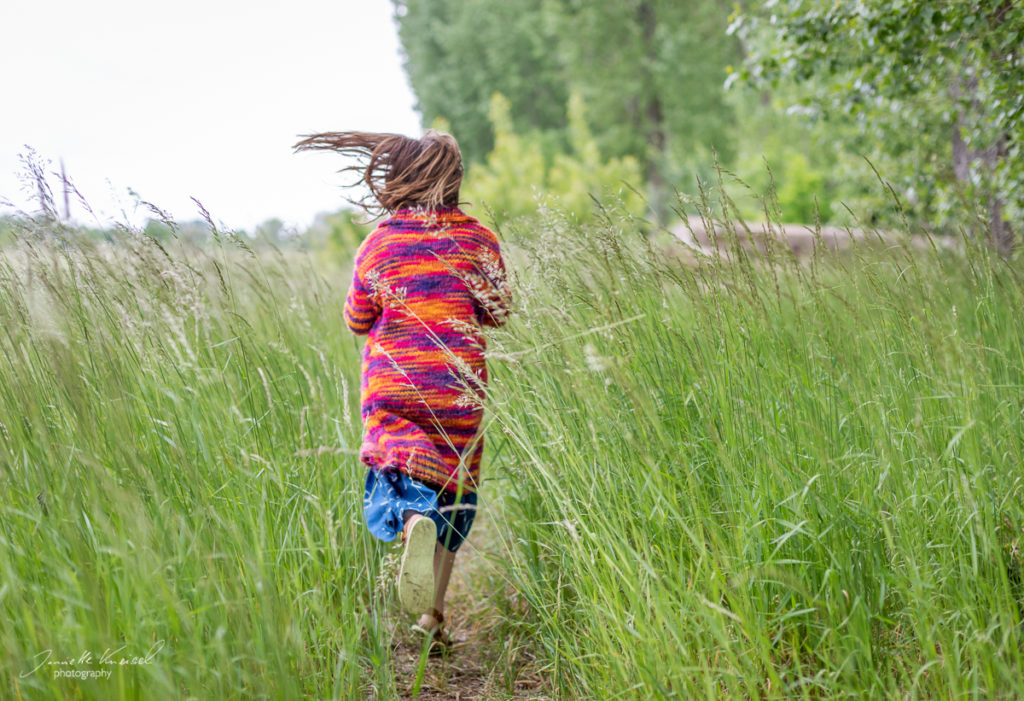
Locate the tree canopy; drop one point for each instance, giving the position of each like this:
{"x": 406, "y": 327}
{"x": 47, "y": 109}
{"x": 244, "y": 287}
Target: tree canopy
{"x": 650, "y": 71}
{"x": 460, "y": 52}
{"x": 938, "y": 81}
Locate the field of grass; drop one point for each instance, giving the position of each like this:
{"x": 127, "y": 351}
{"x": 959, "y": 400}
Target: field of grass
{"x": 748, "y": 477}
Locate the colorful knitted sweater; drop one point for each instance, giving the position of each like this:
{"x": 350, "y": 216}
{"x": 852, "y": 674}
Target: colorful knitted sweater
{"x": 424, "y": 283}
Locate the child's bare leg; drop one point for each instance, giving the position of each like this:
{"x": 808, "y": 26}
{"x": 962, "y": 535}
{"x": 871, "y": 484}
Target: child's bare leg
{"x": 444, "y": 560}
{"x": 442, "y": 573}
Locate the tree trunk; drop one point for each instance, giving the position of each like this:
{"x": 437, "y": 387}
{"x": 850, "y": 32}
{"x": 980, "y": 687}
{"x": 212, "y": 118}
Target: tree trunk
{"x": 1000, "y": 234}
{"x": 654, "y": 117}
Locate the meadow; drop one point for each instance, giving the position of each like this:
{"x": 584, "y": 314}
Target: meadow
{"x": 734, "y": 476}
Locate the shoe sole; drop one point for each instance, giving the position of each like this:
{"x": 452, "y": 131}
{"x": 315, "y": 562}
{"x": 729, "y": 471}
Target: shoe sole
{"x": 416, "y": 574}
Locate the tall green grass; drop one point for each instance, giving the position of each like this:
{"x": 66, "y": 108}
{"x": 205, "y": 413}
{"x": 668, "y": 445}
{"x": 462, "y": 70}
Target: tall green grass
{"x": 756, "y": 477}
{"x": 741, "y": 477}
{"x": 178, "y": 475}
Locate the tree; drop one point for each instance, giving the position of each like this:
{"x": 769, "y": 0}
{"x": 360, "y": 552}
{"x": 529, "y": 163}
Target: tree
{"x": 946, "y": 76}
{"x": 272, "y": 231}
{"x": 516, "y": 175}
{"x": 458, "y": 53}
{"x": 651, "y": 72}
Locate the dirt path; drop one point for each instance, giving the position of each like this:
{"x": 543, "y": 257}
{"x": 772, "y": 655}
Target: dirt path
{"x": 492, "y": 657}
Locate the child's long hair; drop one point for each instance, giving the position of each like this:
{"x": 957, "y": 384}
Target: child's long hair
{"x": 400, "y": 171}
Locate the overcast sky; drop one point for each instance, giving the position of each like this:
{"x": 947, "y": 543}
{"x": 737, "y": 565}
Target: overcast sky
{"x": 196, "y": 99}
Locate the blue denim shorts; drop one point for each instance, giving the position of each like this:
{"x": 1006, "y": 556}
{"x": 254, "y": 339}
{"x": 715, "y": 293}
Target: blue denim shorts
{"x": 389, "y": 495}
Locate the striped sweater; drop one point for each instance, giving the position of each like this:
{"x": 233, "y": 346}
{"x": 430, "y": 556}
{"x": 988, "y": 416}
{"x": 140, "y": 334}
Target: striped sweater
{"x": 424, "y": 283}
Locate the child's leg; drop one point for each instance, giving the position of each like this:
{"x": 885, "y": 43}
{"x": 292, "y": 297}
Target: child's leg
{"x": 444, "y": 561}
{"x": 451, "y": 533}
{"x": 443, "y": 573}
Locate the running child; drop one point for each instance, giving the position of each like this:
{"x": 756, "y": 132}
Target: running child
{"x": 425, "y": 282}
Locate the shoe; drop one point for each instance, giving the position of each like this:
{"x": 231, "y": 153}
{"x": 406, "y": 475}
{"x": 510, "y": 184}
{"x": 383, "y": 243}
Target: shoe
{"x": 440, "y": 642}
{"x": 416, "y": 573}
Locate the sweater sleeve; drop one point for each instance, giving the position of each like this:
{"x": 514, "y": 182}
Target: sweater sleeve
{"x": 361, "y": 305}
{"x": 492, "y": 293}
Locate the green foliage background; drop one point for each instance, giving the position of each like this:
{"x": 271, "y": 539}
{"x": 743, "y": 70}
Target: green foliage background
{"x": 827, "y": 96}
{"x": 518, "y": 177}
{"x": 917, "y": 79}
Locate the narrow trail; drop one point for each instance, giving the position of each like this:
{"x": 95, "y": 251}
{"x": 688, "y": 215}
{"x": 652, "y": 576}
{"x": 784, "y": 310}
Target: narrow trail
{"x": 492, "y": 656}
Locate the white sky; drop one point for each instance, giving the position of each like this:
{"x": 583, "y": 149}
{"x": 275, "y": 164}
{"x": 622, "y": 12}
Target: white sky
{"x": 196, "y": 98}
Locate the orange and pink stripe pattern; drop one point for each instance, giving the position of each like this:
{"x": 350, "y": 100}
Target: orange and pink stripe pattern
{"x": 425, "y": 282}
